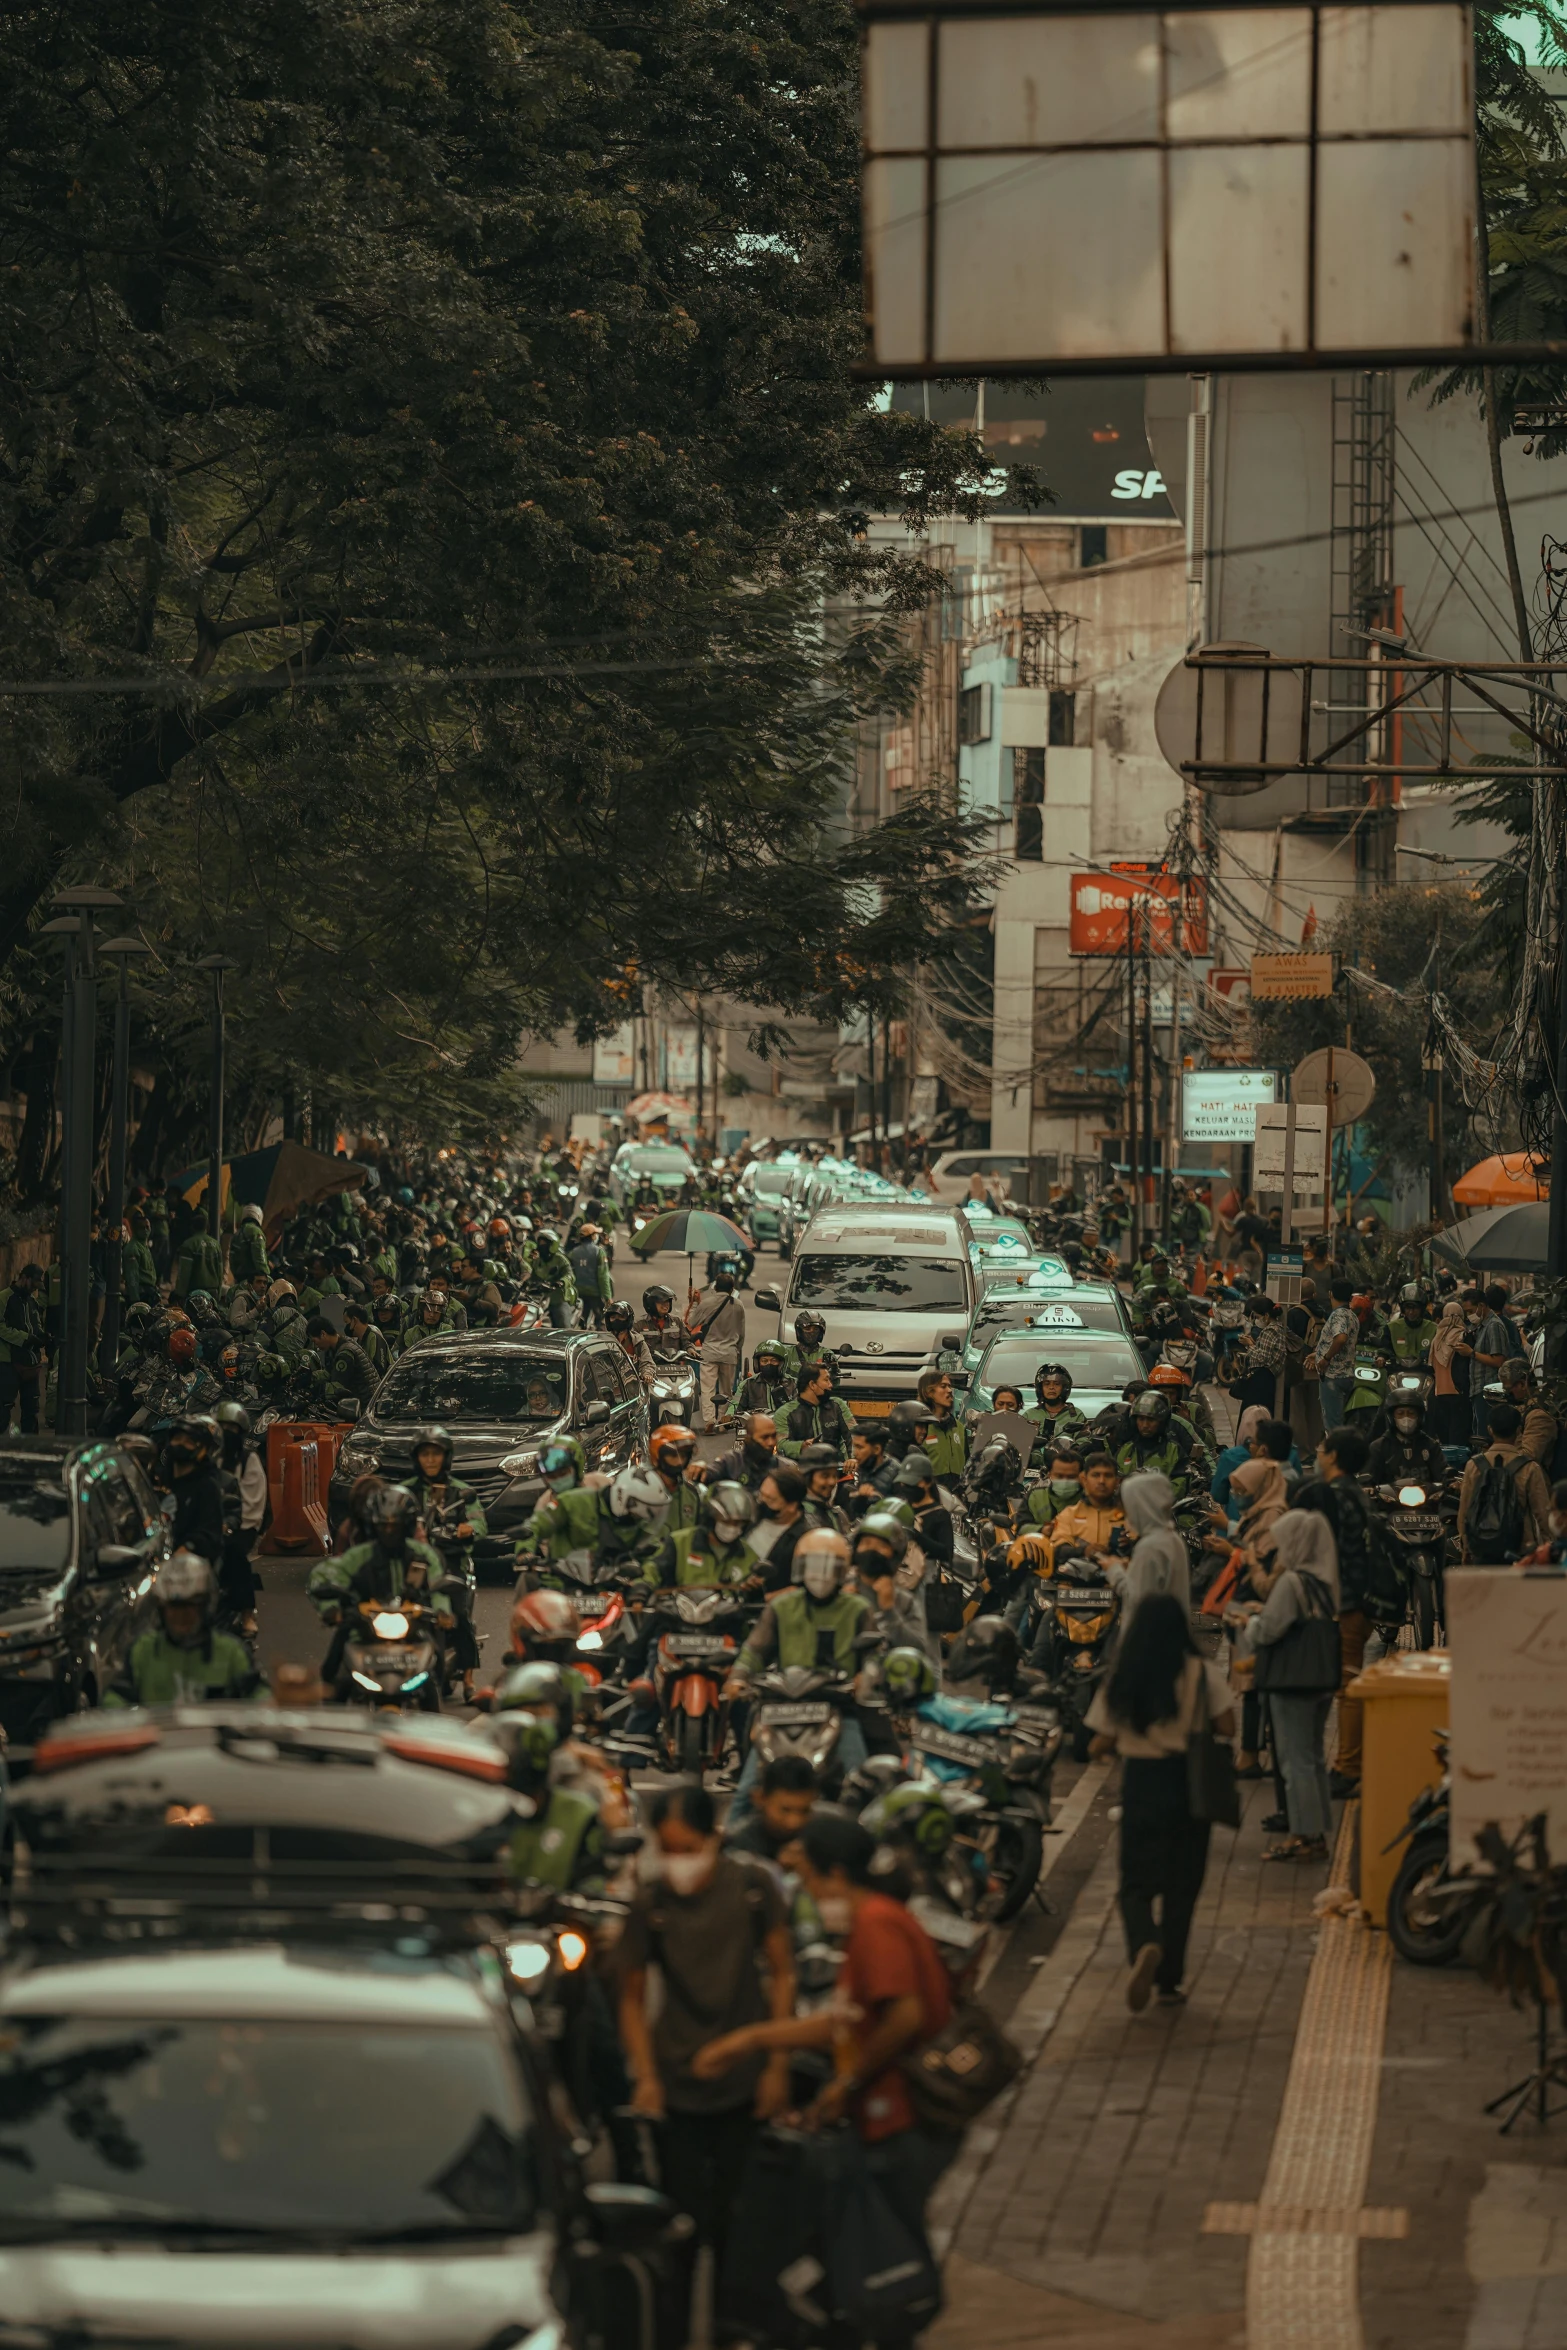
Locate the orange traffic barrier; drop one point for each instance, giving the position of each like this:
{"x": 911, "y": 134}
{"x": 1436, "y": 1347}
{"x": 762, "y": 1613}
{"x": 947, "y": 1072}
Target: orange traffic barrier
{"x": 301, "y": 1455}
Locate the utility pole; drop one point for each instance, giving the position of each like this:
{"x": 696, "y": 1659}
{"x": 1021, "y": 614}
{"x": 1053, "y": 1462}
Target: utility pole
{"x": 77, "y": 1187}
{"x": 217, "y": 965}
{"x": 1148, "y": 1133}
{"x": 1131, "y": 1087}
{"x": 120, "y": 953}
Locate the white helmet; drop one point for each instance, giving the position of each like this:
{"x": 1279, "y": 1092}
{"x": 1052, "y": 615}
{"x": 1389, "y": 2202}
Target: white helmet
{"x": 281, "y": 1293}
{"x": 639, "y": 1493}
{"x": 250, "y": 1213}
{"x": 183, "y": 1579}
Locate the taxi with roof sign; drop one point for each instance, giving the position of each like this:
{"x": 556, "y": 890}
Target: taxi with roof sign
{"x": 1102, "y": 1361}
{"x": 1013, "y": 1306}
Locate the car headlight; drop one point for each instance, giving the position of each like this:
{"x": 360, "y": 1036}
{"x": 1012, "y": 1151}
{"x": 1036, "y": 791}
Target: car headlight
{"x": 520, "y": 1464}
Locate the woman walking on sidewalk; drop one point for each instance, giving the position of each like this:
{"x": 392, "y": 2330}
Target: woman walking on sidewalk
{"x": 1145, "y": 1712}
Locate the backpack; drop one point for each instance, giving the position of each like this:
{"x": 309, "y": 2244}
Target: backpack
{"x": 1384, "y": 1575}
{"x": 1494, "y": 1522}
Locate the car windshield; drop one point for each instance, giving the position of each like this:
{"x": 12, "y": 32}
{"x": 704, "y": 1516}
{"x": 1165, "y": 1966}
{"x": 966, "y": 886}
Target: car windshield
{"x": 658, "y": 1159}
{"x": 882, "y": 1285}
{"x": 35, "y": 1524}
{"x": 769, "y": 1181}
{"x": 326, "y": 2129}
{"x": 1093, "y": 1362}
{"x": 427, "y": 1385}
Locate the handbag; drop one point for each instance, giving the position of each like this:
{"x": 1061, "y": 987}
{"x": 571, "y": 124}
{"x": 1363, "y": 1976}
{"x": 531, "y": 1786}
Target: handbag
{"x": 1308, "y": 1660}
{"x": 880, "y": 2277}
{"x": 952, "y": 2077}
{"x": 1211, "y": 1792}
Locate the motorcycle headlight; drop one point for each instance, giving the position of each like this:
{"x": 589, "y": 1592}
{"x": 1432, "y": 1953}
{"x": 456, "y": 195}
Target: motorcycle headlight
{"x": 590, "y": 1640}
{"x": 1412, "y": 1496}
{"x": 520, "y": 1464}
{"x": 663, "y": 1387}
{"x": 392, "y": 1625}
{"x": 527, "y": 1960}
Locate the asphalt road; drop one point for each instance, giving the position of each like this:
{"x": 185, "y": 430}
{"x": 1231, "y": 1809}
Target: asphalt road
{"x": 291, "y": 1631}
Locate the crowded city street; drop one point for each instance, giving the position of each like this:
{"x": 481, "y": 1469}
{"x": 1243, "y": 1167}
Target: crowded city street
{"x": 783, "y": 1175}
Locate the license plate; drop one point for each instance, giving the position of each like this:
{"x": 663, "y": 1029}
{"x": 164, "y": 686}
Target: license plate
{"x": 867, "y": 1407}
{"x": 696, "y": 1643}
{"x": 1417, "y": 1529}
{"x": 791, "y": 1717}
{"x": 1079, "y": 1595}
{"x": 950, "y": 1747}
{"x": 386, "y": 1660}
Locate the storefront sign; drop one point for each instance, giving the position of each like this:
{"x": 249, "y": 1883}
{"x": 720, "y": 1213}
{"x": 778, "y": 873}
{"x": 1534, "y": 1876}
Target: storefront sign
{"x": 1276, "y": 978}
{"x": 1155, "y": 903}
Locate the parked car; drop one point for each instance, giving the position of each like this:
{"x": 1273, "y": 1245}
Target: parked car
{"x": 503, "y": 1394}
{"x": 80, "y": 1540}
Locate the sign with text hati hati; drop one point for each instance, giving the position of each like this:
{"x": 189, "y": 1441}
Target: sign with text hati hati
{"x": 1092, "y": 188}
{"x": 1220, "y": 1105}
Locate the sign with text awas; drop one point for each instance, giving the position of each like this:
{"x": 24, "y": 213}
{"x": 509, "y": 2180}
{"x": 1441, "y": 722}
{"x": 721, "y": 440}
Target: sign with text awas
{"x": 1153, "y": 902}
{"x": 1508, "y": 1717}
{"x": 1220, "y": 1105}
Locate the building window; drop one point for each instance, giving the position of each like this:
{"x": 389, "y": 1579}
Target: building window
{"x": 1028, "y": 792}
{"x": 1093, "y": 545}
{"x": 1063, "y": 718}
{"x": 974, "y": 714}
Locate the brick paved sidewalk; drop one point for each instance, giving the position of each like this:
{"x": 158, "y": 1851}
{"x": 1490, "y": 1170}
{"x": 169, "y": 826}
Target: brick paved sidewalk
{"x": 1078, "y": 2220}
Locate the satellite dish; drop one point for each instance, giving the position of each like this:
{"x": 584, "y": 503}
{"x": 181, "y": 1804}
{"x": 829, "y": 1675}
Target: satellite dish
{"x": 1230, "y": 715}
{"x": 1337, "y": 1080}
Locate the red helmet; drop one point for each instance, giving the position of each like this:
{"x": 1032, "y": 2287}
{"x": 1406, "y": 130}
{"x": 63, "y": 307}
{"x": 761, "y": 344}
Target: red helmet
{"x": 1168, "y": 1375}
{"x": 182, "y": 1344}
{"x": 542, "y": 1618}
{"x": 499, "y": 1228}
{"x": 671, "y": 1448}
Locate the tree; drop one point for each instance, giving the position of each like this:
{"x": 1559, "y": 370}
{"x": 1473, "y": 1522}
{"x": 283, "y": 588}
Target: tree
{"x": 429, "y": 432}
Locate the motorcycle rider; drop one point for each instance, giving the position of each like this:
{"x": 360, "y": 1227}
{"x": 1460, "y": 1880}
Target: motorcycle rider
{"x": 555, "y": 1271}
{"x": 1148, "y": 1435}
{"x": 283, "y": 1328}
{"x": 660, "y": 1327}
{"x": 1411, "y": 1326}
{"x": 563, "y": 1844}
{"x": 753, "y": 1458}
{"x": 1407, "y": 1452}
{"x": 243, "y": 1482}
{"x": 873, "y": 1473}
{"x": 623, "y": 1520}
{"x": 908, "y": 1424}
{"x": 915, "y": 1484}
{"x": 814, "y": 1624}
{"x": 1055, "y": 1415}
{"x": 344, "y": 1368}
{"x": 810, "y": 1333}
{"x": 719, "y": 1551}
{"x": 248, "y": 1247}
{"x": 819, "y": 1417}
{"x": 897, "y": 1616}
{"x": 552, "y": 1531}
{"x": 767, "y": 1389}
{"x": 452, "y": 1516}
{"x": 672, "y": 1449}
{"x": 1188, "y": 1400}
{"x": 191, "y": 1453}
{"x": 185, "y": 1661}
{"x": 821, "y": 1466}
{"x": 619, "y": 1321}
{"x": 389, "y": 1564}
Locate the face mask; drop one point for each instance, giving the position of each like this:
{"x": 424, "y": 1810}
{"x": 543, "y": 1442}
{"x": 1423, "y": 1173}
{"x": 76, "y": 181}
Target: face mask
{"x": 1066, "y": 1486}
{"x": 836, "y": 1912}
{"x": 820, "y": 1578}
{"x": 728, "y": 1530}
{"x": 686, "y": 1872}
{"x": 1406, "y": 1423}
{"x": 765, "y": 1509}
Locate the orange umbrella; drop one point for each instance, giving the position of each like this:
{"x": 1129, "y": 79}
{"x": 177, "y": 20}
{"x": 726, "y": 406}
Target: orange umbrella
{"x": 1500, "y": 1182}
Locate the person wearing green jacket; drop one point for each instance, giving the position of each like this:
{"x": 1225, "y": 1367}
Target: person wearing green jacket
{"x": 248, "y": 1247}
{"x": 946, "y": 1439}
{"x": 390, "y": 1565}
{"x": 138, "y": 1268}
{"x": 719, "y": 1552}
{"x": 820, "y": 1417}
{"x": 185, "y": 1662}
{"x": 200, "y": 1261}
{"x": 555, "y": 1271}
{"x": 562, "y": 1845}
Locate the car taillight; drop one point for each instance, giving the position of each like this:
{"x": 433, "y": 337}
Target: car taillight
{"x": 62, "y": 1753}
{"x": 468, "y": 1763}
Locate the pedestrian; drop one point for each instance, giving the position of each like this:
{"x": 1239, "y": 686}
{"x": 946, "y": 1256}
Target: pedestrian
{"x": 718, "y": 1321}
{"x": 1450, "y": 1359}
{"x": 716, "y": 1927}
{"x": 1335, "y": 1494}
{"x": 1518, "y": 1520}
{"x": 1145, "y": 1712}
{"x": 892, "y": 1996}
{"x": 1159, "y": 1561}
{"x": 1334, "y": 1353}
{"x": 1495, "y": 1343}
{"x": 1296, "y": 1629}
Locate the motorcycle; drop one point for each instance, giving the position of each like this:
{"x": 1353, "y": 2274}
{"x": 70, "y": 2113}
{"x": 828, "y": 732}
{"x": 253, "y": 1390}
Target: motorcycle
{"x": 599, "y": 1590}
{"x": 692, "y": 1661}
{"x": 968, "y": 1811}
{"x": 799, "y": 1709}
{"x": 673, "y": 1395}
{"x": 1421, "y": 1518}
{"x": 1429, "y": 1908}
{"x": 393, "y": 1656}
{"x": 1080, "y": 1610}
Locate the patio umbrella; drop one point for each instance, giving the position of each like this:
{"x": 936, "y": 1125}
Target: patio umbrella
{"x": 697, "y": 1231}
{"x": 1503, "y": 1240}
{"x": 1503, "y": 1182}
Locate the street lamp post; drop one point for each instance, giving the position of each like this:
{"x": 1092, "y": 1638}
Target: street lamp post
{"x": 217, "y": 965}
{"x": 120, "y": 953}
{"x": 77, "y": 1154}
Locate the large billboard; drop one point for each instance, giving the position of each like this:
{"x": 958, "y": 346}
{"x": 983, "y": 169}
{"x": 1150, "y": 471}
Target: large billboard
{"x": 1085, "y": 437}
{"x": 1158, "y": 904}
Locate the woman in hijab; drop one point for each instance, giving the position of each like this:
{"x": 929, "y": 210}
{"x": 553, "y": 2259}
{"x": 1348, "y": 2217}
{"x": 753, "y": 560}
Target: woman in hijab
{"x": 1305, "y": 1586}
{"x": 1159, "y": 1560}
{"x": 1230, "y": 1459}
{"x": 1450, "y": 1355}
{"x": 1262, "y": 1491}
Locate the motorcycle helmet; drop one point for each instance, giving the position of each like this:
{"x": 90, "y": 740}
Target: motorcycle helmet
{"x": 390, "y": 1514}
{"x": 202, "y": 1308}
{"x": 195, "y": 1438}
{"x": 539, "y": 1685}
{"x": 182, "y": 1345}
{"x": 880, "y": 1526}
{"x": 1149, "y": 1404}
{"x": 619, "y": 1316}
{"x": 657, "y": 1300}
{"x": 671, "y": 1450}
{"x": 563, "y": 1464}
{"x": 1057, "y": 1371}
{"x": 282, "y": 1293}
{"x": 729, "y": 1509}
{"x": 530, "y": 1739}
{"x": 389, "y": 1312}
{"x": 186, "y": 1580}
{"x": 543, "y": 1619}
{"x": 1030, "y": 1554}
{"x": 431, "y": 1438}
{"x": 232, "y": 1418}
{"x": 809, "y": 1329}
{"x": 250, "y": 1213}
{"x": 1168, "y": 1375}
{"x": 432, "y": 1301}
{"x": 638, "y": 1494}
{"x": 909, "y": 1416}
{"x": 499, "y": 1228}
{"x": 915, "y": 1811}
{"x": 817, "y": 1456}
{"x": 821, "y": 1563}
{"x": 769, "y": 1356}
{"x": 897, "y": 1507}
{"x": 908, "y": 1676}
{"x": 986, "y": 1650}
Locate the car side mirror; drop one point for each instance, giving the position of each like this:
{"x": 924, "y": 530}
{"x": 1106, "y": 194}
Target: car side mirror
{"x": 950, "y": 1360}
{"x": 348, "y": 1407}
{"x": 111, "y": 1560}
{"x": 950, "y": 1342}
{"x": 769, "y": 1301}
{"x": 596, "y": 1414}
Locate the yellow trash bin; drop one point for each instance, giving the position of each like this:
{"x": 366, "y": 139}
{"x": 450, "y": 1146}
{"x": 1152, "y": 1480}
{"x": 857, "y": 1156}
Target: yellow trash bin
{"x": 1406, "y": 1701}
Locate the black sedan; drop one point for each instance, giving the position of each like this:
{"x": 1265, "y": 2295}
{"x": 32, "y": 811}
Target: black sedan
{"x": 502, "y": 1395}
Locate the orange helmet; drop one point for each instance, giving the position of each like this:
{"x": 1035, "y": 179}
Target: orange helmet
{"x": 542, "y": 1618}
{"x": 182, "y": 1344}
{"x": 1030, "y": 1552}
{"x": 1168, "y": 1375}
{"x": 671, "y": 1450}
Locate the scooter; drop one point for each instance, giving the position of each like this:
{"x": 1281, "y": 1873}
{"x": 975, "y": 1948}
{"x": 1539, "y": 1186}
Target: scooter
{"x": 799, "y": 1709}
{"x": 1421, "y": 1518}
{"x": 968, "y": 1809}
{"x": 1081, "y": 1610}
{"x": 692, "y": 1661}
{"x": 673, "y": 1395}
{"x": 1429, "y": 1908}
{"x": 392, "y": 1656}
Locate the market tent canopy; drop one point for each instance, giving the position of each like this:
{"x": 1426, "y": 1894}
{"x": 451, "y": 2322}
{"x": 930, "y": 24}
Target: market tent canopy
{"x": 1505, "y": 1181}
{"x": 1503, "y": 1240}
{"x": 277, "y": 1181}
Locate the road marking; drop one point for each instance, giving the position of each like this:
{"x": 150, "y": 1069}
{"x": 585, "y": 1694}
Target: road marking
{"x": 1302, "y": 2277}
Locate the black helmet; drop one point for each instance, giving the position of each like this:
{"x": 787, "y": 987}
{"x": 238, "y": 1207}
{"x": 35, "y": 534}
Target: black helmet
{"x": 987, "y": 1650}
{"x": 391, "y": 1513}
{"x": 910, "y": 1416}
{"x": 389, "y": 1311}
{"x": 1052, "y": 1371}
{"x": 618, "y": 1316}
{"x": 1151, "y": 1404}
{"x": 432, "y": 1435}
{"x": 657, "y": 1296}
{"x": 816, "y": 1456}
{"x": 809, "y": 1329}
{"x": 198, "y": 1434}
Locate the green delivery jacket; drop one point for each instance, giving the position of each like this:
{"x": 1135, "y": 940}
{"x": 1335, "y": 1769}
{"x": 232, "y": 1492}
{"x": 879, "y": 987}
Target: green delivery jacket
{"x": 159, "y": 1673}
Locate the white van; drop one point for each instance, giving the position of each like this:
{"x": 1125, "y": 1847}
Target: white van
{"x": 1004, "y": 1171}
{"x": 887, "y": 1279}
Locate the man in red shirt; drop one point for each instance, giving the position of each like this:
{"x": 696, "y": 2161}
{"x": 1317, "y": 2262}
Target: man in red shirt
{"x": 892, "y": 1996}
